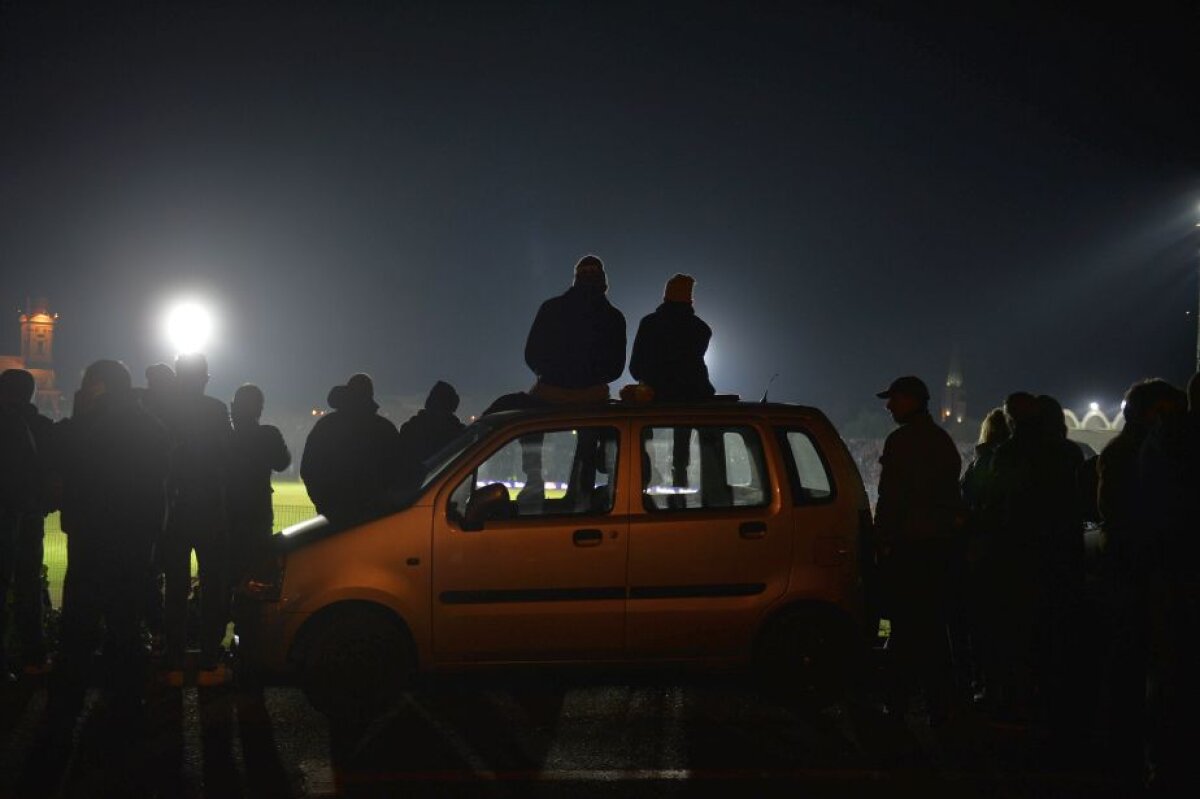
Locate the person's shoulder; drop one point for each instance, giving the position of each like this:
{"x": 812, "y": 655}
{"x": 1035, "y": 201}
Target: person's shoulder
{"x": 899, "y": 436}
{"x": 268, "y": 432}
{"x": 383, "y": 423}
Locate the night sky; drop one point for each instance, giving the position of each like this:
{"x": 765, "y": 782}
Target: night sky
{"x": 394, "y": 188}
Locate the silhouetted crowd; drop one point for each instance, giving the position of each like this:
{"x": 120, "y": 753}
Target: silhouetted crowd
{"x": 989, "y": 589}
{"x": 143, "y": 478}
{"x": 985, "y": 581}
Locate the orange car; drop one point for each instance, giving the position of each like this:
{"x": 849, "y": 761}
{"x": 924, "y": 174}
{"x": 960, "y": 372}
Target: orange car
{"x": 705, "y": 533}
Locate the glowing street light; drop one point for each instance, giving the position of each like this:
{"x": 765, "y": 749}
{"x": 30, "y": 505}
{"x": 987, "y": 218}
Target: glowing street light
{"x": 188, "y": 327}
{"x": 1093, "y": 406}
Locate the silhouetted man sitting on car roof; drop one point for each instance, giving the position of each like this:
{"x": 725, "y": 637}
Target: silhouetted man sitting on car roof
{"x": 576, "y": 346}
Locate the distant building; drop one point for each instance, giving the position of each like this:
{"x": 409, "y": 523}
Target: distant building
{"x": 37, "y": 355}
{"x": 954, "y": 396}
{"x": 1095, "y": 428}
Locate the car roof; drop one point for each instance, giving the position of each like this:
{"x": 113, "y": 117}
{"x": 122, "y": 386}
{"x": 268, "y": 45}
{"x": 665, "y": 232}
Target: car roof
{"x": 632, "y": 410}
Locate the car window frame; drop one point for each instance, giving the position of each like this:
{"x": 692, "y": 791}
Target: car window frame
{"x": 508, "y": 436}
{"x": 800, "y": 497}
{"x": 771, "y": 480}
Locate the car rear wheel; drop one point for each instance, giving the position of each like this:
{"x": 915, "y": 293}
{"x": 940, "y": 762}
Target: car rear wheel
{"x": 809, "y": 656}
{"x": 356, "y": 662}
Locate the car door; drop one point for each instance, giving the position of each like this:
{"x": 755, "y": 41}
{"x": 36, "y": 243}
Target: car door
{"x": 544, "y": 579}
{"x": 710, "y": 543}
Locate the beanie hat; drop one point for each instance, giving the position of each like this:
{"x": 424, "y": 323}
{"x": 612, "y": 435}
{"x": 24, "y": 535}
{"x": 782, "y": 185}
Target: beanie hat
{"x": 590, "y": 272}
{"x": 679, "y": 288}
{"x": 442, "y": 397}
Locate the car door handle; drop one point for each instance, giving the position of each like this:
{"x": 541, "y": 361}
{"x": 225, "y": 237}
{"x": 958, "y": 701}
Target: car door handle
{"x": 753, "y": 530}
{"x": 587, "y": 538}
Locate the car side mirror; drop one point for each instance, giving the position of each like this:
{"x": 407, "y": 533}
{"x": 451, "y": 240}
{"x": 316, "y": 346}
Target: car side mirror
{"x": 490, "y": 502}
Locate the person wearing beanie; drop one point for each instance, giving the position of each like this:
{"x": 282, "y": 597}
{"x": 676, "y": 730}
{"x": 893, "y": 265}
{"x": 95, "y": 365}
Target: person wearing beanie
{"x": 576, "y": 346}
{"x": 350, "y": 459}
{"x": 430, "y": 429}
{"x": 668, "y": 351}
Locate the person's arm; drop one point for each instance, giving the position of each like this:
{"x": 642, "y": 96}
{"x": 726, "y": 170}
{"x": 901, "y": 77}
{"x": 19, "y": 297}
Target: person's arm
{"x": 281, "y": 457}
{"x": 314, "y": 465}
{"x": 889, "y": 508}
{"x": 611, "y": 361}
{"x": 639, "y": 359}
{"x": 537, "y": 345}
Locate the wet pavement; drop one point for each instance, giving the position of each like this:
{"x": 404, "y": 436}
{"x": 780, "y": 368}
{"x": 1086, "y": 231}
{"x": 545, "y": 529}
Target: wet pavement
{"x": 533, "y": 734}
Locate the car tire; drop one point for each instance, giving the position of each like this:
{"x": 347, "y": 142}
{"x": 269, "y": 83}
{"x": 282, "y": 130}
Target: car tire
{"x": 356, "y": 663}
{"x": 809, "y": 657}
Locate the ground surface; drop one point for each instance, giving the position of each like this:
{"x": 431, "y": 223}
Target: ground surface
{"x": 531, "y": 735}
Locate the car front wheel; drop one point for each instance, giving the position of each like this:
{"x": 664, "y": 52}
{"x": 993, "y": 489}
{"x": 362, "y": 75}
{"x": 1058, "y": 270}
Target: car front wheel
{"x": 356, "y": 662}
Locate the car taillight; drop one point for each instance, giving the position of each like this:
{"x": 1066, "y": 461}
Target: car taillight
{"x": 264, "y": 581}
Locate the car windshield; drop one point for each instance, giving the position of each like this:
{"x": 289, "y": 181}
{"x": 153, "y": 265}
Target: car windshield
{"x": 435, "y": 464}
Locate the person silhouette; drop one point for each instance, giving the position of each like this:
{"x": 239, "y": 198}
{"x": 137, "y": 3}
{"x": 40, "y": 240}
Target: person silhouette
{"x": 115, "y": 460}
{"x": 198, "y": 520}
{"x": 256, "y": 450}
{"x": 915, "y": 522}
{"x": 430, "y": 429}
{"x": 350, "y": 459}
{"x": 576, "y": 346}
{"x": 668, "y": 351}
{"x": 24, "y": 501}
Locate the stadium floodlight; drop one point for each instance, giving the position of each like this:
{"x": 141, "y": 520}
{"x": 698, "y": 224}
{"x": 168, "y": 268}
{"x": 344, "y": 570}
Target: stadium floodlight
{"x": 188, "y": 326}
{"x": 1093, "y": 406}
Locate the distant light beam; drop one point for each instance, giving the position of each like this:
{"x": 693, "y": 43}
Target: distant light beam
{"x": 188, "y": 327}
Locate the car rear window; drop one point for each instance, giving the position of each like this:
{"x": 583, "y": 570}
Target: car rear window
{"x": 809, "y": 475}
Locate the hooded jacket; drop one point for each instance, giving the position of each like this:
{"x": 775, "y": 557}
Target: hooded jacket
{"x": 350, "y": 458}
{"x": 577, "y": 339}
{"x": 432, "y": 428}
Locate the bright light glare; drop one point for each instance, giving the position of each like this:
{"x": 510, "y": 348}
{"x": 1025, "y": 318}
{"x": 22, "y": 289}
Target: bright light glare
{"x": 188, "y": 326}
{"x": 1095, "y": 406}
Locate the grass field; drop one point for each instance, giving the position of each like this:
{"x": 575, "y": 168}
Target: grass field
{"x": 291, "y": 505}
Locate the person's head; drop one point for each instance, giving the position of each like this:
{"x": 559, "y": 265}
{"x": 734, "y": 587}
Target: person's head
{"x": 106, "y": 377}
{"x": 1193, "y": 392}
{"x": 679, "y": 288}
{"x": 16, "y": 387}
{"x": 1147, "y": 400}
{"x": 589, "y": 272}
{"x": 191, "y": 370}
{"x": 247, "y": 403}
{"x": 994, "y": 429}
{"x": 1050, "y": 412}
{"x": 442, "y": 397}
{"x": 906, "y": 397}
{"x": 360, "y": 385}
{"x": 1021, "y": 410}
{"x": 160, "y": 378}
{"x": 357, "y": 393}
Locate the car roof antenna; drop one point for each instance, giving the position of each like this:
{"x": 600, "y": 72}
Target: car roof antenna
{"x": 768, "y": 388}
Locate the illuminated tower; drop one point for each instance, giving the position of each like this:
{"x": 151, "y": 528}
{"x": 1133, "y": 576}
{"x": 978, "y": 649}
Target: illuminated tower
{"x": 954, "y": 396}
{"x": 37, "y": 351}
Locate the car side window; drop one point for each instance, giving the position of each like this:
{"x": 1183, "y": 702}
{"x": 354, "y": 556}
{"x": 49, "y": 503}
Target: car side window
{"x": 811, "y": 482}
{"x": 694, "y": 468}
{"x": 550, "y": 473}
